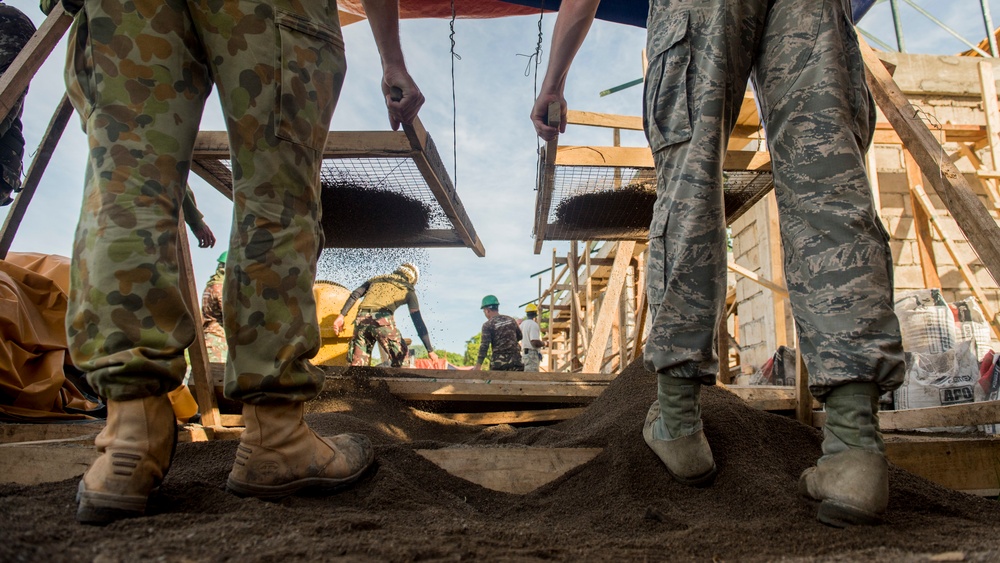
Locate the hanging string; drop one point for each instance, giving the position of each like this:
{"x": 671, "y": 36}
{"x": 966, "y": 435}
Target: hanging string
{"x": 454, "y": 101}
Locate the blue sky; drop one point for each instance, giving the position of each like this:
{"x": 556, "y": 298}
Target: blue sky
{"x": 495, "y": 142}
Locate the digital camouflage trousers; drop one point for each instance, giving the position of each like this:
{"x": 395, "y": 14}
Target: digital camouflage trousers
{"x": 139, "y": 73}
{"x": 809, "y": 84}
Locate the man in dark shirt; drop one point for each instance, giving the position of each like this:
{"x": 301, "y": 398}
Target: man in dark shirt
{"x": 501, "y": 332}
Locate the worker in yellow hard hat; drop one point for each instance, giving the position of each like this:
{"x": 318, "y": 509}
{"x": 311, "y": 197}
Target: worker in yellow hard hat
{"x": 531, "y": 339}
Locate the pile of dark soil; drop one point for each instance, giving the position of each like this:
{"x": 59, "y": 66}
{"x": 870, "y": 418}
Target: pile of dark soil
{"x": 629, "y": 208}
{"x": 358, "y": 215}
{"x": 622, "y": 505}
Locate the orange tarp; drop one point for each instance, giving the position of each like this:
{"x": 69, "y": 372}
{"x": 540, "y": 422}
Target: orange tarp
{"x": 33, "y": 347}
{"x": 352, "y": 11}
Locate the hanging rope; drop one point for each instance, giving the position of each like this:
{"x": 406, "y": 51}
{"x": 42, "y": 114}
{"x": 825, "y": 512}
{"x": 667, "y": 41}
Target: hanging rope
{"x": 454, "y": 101}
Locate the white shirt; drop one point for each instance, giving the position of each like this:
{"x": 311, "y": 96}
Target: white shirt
{"x": 530, "y": 331}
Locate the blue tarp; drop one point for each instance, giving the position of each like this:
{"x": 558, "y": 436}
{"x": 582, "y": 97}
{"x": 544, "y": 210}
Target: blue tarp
{"x": 633, "y": 12}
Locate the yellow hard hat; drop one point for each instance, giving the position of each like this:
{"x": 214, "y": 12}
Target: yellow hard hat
{"x": 531, "y": 308}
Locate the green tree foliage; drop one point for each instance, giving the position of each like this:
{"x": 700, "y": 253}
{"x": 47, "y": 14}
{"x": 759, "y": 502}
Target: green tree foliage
{"x": 472, "y": 351}
{"x": 452, "y": 357}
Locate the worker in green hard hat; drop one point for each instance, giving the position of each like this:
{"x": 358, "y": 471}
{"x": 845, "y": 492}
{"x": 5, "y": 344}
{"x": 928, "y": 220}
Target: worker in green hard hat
{"x": 503, "y": 334}
{"x": 211, "y": 313}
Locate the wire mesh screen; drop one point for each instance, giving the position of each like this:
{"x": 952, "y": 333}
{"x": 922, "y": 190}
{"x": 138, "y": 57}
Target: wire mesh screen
{"x": 616, "y": 203}
{"x": 368, "y": 202}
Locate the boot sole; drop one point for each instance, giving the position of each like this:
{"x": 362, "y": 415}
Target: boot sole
{"x": 101, "y": 508}
{"x": 704, "y": 480}
{"x": 313, "y": 486}
{"x": 841, "y": 515}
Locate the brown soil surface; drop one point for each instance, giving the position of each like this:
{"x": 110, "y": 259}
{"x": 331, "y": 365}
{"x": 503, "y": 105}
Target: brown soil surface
{"x": 622, "y": 505}
{"x": 356, "y": 214}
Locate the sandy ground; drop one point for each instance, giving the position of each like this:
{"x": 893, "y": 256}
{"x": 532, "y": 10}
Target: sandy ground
{"x": 622, "y": 505}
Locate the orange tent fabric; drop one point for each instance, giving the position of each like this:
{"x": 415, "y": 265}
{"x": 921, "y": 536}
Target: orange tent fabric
{"x": 352, "y": 11}
{"x": 33, "y": 346}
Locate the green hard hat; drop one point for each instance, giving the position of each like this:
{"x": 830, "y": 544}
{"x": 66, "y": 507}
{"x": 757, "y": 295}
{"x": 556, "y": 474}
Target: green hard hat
{"x": 223, "y": 256}
{"x": 490, "y": 300}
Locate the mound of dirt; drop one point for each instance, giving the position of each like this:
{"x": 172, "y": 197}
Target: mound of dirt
{"x": 622, "y": 505}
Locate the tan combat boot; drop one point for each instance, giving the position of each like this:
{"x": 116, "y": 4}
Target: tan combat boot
{"x": 136, "y": 447}
{"x": 673, "y": 430}
{"x": 851, "y": 480}
{"x": 280, "y": 455}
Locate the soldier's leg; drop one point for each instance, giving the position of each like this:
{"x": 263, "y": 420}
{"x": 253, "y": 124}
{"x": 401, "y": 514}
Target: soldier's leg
{"x": 819, "y": 119}
{"x": 279, "y": 67}
{"x": 392, "y": 341}
{"x": 359, "y": 349}
{"x": 699, "y": 61}
{"x": 127, "y": 323}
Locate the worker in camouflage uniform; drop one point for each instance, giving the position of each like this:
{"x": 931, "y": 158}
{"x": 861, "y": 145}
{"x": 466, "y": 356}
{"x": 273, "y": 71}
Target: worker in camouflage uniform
{"x": 211, "y": 313}
{"x": 15, "y": 31}
{"x": 809, "y": 80}
{"x": 503, "y": 334}
{"x": 139, "y": 74}
{"x": 375, "y": 321}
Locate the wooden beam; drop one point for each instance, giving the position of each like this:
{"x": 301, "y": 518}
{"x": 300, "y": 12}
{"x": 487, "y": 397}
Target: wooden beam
{"x": 610, "y": 120}
{"x": 921, "y": 224}
{"x": 777, "y": 266}
{"x": 640, "y": 307}
{"x": 421, "y": 389}
{"x": 429, "y": 163}
{"x": 612, "y": 296}
{"x": 967, "y": 274}
{"x": 201, "y": 371}
{"x": 753, "y": 276}
{"x": 339, "y": 144}
{"x": 34, "y": 176}
{"x": 600, "y": 262}
{"x": 641, "y": 157}
{"x": 511, "y": 470}
{"x": 472, "y": 375}
{"x": 546, "y": 178}
{"x": 511, "y": 417}
{"x": 85, "y": 429}
{"x": 978, "y": 225}
{"x": 22, "y": 69}
{"x": 967, "y": 414}
{"x": 962, "y": 464}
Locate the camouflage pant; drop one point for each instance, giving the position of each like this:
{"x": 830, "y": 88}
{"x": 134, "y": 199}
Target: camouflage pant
{"x": 371, "y": 329}
{"x": 501, "y": 361}
{"x": 531, "y": 360}
{"x": 139, "y": 73}
{"x": 810, "y": 85}
{"x": 17, "y": 30}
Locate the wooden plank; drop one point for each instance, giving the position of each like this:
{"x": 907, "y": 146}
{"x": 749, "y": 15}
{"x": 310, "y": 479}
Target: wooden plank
{"x": 777, "y": 268}
{"x": 471, "y": 375}
{"x": 595, "y": 119}
{"x": 34, "y": 176}
{"x": 989, "y": 185}
{"x": 546, "y": 178}
{"x": 511, "y": 470}
{"x": 12, "y": 433}
{"x": 512, "y": 417}
{"x": 921, "y": 223}
{"x": 962, "y": 464}
{"x": 978, "y": 225}
{"x": 577, "y": 331}
{"x": 967, "y": 274}
{"x": 22, "y": 69}
{"x": 612, "y": 296}
{"x": 600, "y": 262}
{"x": 420, "y": 389}
{"x": 968, "y": 414}
{"x": 339, "y": 144}
{"x": 641, "y": 157}
{"x": 803, "y": 398}
{"x": 765, "y": 397}
{"x": 753, "y": 276}
{"x": 640, "y": 307}
{"x": 223, "y": 187}
{"x": 204, "y": 387}
{"x": 34, "y": 464}
{"x": 987, "y": 82}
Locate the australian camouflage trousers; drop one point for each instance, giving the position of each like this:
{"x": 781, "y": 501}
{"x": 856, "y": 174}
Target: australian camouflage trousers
{"x": 809, "y": 83}
{"x": 370, "y": 330}
{"x": 139, "y": 73}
